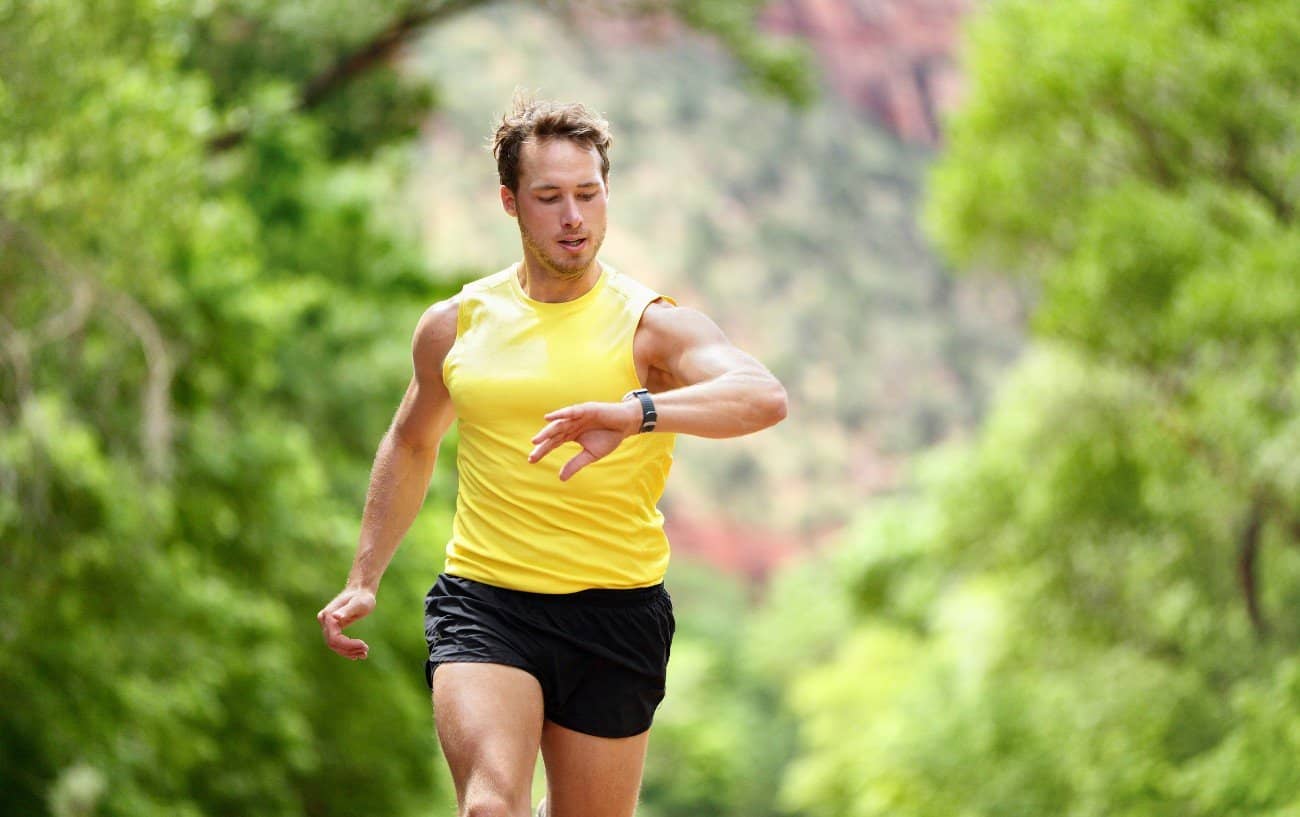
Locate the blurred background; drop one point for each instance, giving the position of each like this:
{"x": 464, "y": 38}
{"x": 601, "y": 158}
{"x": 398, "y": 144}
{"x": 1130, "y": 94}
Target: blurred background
{"x": 1028, "y": 543}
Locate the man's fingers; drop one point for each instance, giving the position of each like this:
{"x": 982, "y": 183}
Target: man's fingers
{"x": 580, "y": 460}
{"x": 545, "y": 441}
{"x": 326, "y": 617}
{"x": 575, "y": 424}
{"x": 548, "y": 430}
{"x": 335, "y": 603}
{"x": 348, "y": 647}
{"x": 355, "y": 608}
{"x": 345, "y": 646}
{"x": 549, "y": 445}
{"x": 552, "y": 436}
{"x": 567, "y": 413}
{"x": 542, "y": 450}
{"x": 343, "y": 610}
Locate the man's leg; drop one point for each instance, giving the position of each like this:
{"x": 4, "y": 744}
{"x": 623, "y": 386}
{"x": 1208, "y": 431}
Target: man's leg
{"x": 489, "y": 719}
{"x": 587, "y": 776}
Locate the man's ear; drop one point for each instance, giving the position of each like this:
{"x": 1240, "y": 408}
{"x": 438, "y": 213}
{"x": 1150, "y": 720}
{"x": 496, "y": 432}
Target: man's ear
{"x": 508, "y": 201}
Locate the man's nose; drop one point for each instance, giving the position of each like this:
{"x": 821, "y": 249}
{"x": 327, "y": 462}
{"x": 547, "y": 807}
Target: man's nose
{"x": 572, "y": 218}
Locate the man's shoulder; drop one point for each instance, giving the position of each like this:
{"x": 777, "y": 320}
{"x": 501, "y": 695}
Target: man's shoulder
{"x": 633, "y": 290}
{"x": 442, "y": 317}
{"x": 496, "y": 280}
{"x": 440, "y": 323}
{"x": 664, "y": 314}
{"x": 436, "y": 330}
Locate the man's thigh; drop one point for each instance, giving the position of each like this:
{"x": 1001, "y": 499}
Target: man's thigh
{"x": 589, "y": 776}
{"x": 489, "y": 721}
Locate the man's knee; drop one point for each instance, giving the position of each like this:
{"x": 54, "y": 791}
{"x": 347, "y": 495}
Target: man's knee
{"x": 493, "y": 804}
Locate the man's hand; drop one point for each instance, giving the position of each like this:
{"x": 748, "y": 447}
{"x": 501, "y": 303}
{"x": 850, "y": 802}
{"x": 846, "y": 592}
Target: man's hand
{"x": 347, "y": 607}
{"x": 597, "y": 427}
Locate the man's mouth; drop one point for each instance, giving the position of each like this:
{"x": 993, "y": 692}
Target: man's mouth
{"x": 573, "y": 243}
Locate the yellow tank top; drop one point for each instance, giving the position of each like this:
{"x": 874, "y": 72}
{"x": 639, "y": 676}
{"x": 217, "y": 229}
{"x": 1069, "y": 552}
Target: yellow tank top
{"x": 514, "y": 360}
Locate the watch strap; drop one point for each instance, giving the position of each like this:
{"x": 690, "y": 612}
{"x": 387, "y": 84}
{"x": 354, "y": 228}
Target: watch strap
{"x": 649, "y": 416}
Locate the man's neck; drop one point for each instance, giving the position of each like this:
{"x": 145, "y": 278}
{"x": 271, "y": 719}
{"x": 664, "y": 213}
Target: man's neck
{"x": 541, "y": 284}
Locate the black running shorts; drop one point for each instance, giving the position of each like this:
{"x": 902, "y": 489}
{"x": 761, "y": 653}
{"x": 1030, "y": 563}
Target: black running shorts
{"x": 600, "y": 655}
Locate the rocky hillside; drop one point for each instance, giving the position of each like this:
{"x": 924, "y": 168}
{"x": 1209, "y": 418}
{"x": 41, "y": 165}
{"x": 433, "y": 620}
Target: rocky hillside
{"x": 891, "y": 59}
{"x": 894, "y": 61}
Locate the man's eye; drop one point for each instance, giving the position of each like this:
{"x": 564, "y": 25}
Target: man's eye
{"x": 550, "y": 200}
{"x": 587, "y": 196}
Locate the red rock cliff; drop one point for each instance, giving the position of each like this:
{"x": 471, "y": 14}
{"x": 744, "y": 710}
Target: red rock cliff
{"x": 892, "y": 58}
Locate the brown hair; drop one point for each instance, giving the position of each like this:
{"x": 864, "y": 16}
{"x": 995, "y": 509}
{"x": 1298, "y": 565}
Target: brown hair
{"x": 531, "y": 118}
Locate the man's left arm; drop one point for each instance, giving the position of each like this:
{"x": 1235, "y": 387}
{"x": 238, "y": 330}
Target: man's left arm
{"x": 703, "y": 385}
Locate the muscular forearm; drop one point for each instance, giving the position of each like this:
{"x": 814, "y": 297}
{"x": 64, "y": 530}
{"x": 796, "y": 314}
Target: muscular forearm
{"x": 398, "y": 483}
{"x": 733, "y": 404}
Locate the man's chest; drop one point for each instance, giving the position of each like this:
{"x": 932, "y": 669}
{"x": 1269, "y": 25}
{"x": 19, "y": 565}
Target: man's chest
{"x": 523, "y": 369}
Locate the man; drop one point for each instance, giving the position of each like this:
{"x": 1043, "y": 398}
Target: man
{"x": 550, "y": 629}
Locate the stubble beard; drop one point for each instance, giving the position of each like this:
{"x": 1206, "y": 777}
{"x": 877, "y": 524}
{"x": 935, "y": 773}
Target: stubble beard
{"x": 565, "y": 269}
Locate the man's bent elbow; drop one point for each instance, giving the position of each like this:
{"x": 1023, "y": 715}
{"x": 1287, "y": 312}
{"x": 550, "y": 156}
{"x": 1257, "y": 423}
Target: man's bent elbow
{"x": 412, "y": 445}
{"x": 775, "y": 404}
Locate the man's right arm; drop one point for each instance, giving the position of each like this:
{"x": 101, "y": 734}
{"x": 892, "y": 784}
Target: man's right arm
{"x": 399, "y": 479}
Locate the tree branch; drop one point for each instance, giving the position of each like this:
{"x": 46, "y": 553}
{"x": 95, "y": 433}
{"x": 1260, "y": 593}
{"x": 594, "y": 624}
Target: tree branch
{"x": 156, "y": 417}
{"x": 16, "y": 350}
{"x": 156, "y": 422}
{"x": 1159, "y": 163}
{"x": 352, "y": 65}
{"x": 1239, "y": 170}
{"x": 1247, "y": 559}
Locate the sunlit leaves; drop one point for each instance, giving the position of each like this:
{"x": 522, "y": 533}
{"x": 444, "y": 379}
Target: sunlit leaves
{"x": 1128, "y": 512}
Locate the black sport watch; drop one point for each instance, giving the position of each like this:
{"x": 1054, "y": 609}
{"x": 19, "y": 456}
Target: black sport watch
{"x": 648, "y": 414}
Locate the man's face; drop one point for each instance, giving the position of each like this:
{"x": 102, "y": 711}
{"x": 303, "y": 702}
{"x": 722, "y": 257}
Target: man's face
{"x": 560, "y": 205}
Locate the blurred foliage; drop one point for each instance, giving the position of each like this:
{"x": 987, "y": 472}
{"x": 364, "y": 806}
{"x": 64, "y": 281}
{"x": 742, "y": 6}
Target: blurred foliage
{"x": 207, "y": 274}
{"x": 1090, "y": 610}
{"x": 777, "y": 67}
{"x": 198, "y": 357}
{"x": 721, "y": 737}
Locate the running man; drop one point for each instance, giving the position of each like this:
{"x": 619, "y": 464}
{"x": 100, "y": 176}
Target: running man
{"x": 550, "y": 628}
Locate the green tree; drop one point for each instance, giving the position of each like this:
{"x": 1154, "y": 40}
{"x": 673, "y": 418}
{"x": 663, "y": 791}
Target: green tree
{"x": 180, "y": 482}
{"x": 1072, "y": 615}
